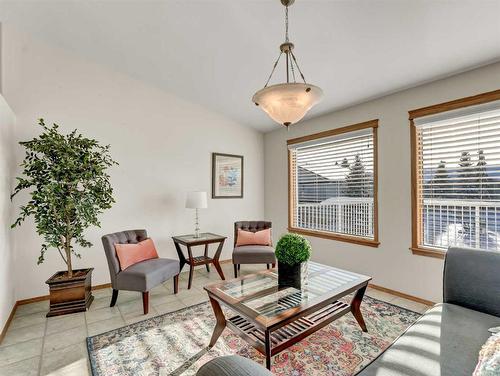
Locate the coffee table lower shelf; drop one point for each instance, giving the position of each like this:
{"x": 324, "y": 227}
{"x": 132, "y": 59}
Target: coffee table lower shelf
{"x": 285, "y": 336}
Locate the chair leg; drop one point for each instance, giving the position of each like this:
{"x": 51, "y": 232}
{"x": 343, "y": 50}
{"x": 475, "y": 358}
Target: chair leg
{"x": 145, "y": 302}
{"x": 235, "y": 270}
{"x": 176, "y": 284}
{"x": 239, "y": 266}
{"x": 113, "y": 298}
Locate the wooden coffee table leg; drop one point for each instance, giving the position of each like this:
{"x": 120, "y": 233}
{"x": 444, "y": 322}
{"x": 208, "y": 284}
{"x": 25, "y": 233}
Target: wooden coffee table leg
{"x": 356, "y": 311}
{"x": 268, "y": 349}
{"x": 221, "y": 321}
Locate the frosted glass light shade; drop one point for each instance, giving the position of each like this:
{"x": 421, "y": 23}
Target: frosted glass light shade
{"x": 288, "y": 103}
{"x": 196, "y": 200}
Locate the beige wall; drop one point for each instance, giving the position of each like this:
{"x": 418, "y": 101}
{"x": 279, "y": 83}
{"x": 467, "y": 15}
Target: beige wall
{"x": 7, "y": 164}
{"x": 392, "y": 265}
{"x": 163, "y": 145}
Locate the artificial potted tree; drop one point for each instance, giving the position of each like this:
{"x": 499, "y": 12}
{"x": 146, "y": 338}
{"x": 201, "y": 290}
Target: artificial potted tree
{"x": 292, "y": 252}
{"x": 68, "y": 184}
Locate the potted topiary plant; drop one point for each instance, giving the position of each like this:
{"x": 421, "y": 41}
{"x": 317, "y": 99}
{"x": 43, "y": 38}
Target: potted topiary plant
{"x": 292, "y": 251}
{"x": 69, "y": 187}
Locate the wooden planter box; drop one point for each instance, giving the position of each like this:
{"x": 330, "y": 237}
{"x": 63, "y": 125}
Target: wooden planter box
{"x": 70, "y": 295}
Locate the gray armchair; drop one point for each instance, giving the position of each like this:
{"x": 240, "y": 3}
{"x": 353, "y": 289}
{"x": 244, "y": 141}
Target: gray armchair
{"x": 252, "y": 254}
{"x": 142, "y": 276}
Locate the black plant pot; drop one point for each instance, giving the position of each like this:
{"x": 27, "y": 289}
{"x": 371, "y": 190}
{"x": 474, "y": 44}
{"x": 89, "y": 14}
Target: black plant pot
{"x": 289, "y": 275}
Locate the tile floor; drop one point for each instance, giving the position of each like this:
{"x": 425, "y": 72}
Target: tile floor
{"x": 36, "y": 345}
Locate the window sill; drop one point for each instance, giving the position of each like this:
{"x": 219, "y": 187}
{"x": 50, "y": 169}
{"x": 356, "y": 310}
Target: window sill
{"x": 429, "y": 252}
{"x": 339, "y": 237}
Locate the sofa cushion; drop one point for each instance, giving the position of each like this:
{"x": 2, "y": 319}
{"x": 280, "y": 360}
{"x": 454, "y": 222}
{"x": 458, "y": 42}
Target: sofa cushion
{"x": 232, "y": 365}
{"x": 145, "y": 275}
{"x": 472, "y": 280}
{"x": 445, "y": 341}
{"x": 253, "y": 254}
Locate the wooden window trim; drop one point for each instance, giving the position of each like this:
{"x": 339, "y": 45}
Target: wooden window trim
{"x": 426, "y": 111}
{"x": 429, "y": 252}
{"x": 333, "y": 132}
{"x": 333, "y": 236}
{"x": 455, "y": 104}
{"x": 330, "y": 235}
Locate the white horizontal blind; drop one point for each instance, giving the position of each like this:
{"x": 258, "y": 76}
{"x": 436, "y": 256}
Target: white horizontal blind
{"x": 332, "y": 184}
{"x": 458, "y": 161}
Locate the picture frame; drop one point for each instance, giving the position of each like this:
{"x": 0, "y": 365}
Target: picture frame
{"x": 227, "y": 175}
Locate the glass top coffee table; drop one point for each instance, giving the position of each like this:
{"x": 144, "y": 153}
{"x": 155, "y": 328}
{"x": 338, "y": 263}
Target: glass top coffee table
{"x": 271, "y": 318}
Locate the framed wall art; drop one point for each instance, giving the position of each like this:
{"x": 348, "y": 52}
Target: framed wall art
{"x": 227, "y": 176}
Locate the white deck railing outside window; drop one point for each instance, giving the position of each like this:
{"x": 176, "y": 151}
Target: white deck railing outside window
{"x": 474, "y": 224}
{"x": 446, "y": 223}
{"x": 350, "y": 216}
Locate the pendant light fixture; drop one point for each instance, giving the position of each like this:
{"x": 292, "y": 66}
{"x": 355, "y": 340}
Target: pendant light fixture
{"x": 287, "y": 103}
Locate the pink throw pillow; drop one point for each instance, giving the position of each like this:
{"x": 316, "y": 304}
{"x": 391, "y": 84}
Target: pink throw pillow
{"x": 254, "y": 238}
{"x": 130, "y": 254}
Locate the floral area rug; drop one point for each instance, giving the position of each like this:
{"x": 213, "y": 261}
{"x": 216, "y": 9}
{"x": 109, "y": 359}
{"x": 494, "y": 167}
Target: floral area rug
{"x": 176, "y": 344}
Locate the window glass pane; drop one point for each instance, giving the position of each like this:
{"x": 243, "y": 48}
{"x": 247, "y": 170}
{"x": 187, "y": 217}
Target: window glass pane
{"x": 458, "y": 181}
{"x": 333, "y": 184}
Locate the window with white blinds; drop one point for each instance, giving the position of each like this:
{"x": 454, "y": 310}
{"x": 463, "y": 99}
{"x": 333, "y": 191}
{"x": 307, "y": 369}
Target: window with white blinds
{"x": 458, "y": 178}
{"x": 332, "y": 183}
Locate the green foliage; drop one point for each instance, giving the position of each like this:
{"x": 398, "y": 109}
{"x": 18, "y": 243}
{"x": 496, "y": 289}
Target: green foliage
{"x": 67, "y": 179}
{"x": 439, "y": 184}
{"x": 293, "y": 249}
{"x": 358, "y": 181}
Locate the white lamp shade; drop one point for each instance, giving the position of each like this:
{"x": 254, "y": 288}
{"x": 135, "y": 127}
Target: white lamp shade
{"x": 196, "y": 200}
{"x": 288, "y": 103}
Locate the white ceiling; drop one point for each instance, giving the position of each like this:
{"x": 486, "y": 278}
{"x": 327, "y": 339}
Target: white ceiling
{"x": 219, "y": 52}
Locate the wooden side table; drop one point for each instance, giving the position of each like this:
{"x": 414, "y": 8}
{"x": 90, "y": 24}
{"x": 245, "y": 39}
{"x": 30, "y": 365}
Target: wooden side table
{"x": 190, "y": 241}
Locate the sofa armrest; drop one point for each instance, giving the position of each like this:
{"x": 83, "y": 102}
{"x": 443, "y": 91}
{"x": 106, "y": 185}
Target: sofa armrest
{"x": 472, "y": 279}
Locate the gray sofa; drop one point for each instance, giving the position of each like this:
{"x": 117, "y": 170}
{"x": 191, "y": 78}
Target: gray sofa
{"x": 446, "y": 340}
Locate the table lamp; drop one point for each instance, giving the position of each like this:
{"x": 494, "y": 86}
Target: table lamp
{"x": 196, "y": 200}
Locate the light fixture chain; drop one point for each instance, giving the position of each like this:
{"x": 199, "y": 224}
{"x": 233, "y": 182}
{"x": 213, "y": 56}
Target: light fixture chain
{"x": 274, "y": 67}
{"x": 293, "y": 70}
{"x": 297, "y": 65}
{"x": 286, "y": 24}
